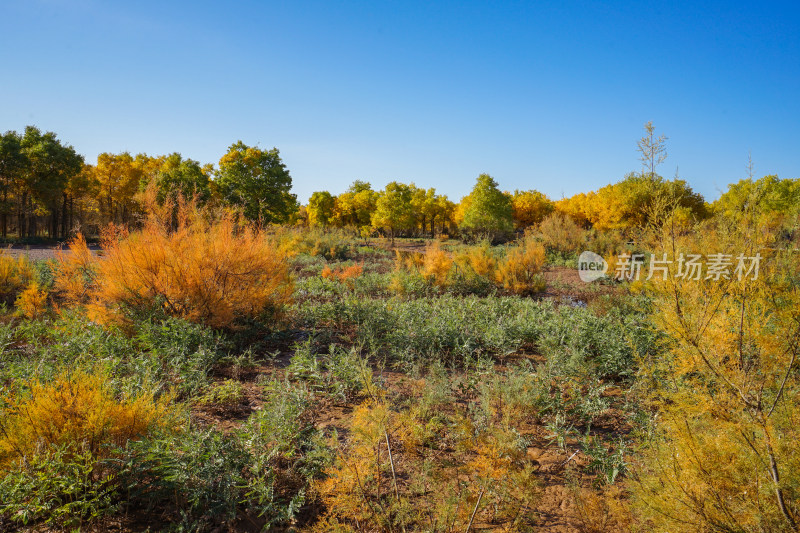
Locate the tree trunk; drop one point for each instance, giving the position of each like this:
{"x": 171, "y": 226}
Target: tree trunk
{"x": 21, "y": 216}
{"x": 70, "y": 220}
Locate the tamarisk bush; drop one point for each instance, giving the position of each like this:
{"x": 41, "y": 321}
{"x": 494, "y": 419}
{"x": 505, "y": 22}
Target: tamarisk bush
{"x": 184, "y": 263}
{"x": 723, "y": 452}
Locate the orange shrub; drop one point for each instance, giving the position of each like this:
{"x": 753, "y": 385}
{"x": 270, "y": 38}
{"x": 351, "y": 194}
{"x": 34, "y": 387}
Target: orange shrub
{"x": 342, "y": 274}
{"x": 519, "y": 270}
{"x": 79, "y": 411}
{"x": 190, "y": 265}
{"x": 76, "y": 271}
{"x": 436, "y": 264}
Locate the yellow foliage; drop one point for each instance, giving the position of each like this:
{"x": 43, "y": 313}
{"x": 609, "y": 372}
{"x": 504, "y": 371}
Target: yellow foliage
{"x": 75, "y": 272}
{"x": 561, "y": 233}
{"x": 530, "y": 208}
{"x": 387, "y": 476}
{"x": 436, "y": 264}
{"x": 342, "y": 274}
{"x": 519, "y": 270}
{"x": 480, "y": 259}
{"x": 332, "y": 244}
{"x": 358, "y": 477}
{"x": 32, "y": 302}
{"x": 408, "y": 260}
{"x": 601, "y": 511}
{"x": 79, "y": 411}
{"x": 724, "y": 453}
{"x": 289, "y": 242}
{"x": 15, "y": 275}
{"x": 578, "y": 208}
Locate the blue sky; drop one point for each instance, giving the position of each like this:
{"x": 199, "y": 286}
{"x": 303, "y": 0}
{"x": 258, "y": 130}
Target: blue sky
{"x": 548, "y": 96}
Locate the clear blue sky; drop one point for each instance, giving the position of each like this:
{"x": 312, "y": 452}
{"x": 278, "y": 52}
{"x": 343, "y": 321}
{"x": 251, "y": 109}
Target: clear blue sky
{"x": 544, "y": 95}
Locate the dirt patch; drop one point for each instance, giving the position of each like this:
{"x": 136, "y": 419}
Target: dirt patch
{"x": 564, "y": 284}
{"x": 39, "y": 252}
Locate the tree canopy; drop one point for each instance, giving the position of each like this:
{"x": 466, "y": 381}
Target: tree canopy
{"x": 321, "y": 208}
{"x": 393, "y": 210}
{"x": 258, "y": 182}
{"x": 486, "y": 210}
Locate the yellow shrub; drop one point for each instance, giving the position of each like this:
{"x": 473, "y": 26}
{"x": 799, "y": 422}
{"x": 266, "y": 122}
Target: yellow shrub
{"x": 488, "y": 474}
{"x": 436, "y": 264}
{"x": 355, "y": 479}
{"x": 288, "y": 242}
{"x": 560, "y": 232}
{"x": 79, "y": 411}
{"x": 408, "y": 260}
{"x": 479, "y": 259}
{"x": 601, "y": 510}
{"x": 32, "y": 302}
{"x": 519, "y": 270}
{"x": 330, "y": 243}
{"x": 15, "y": 275}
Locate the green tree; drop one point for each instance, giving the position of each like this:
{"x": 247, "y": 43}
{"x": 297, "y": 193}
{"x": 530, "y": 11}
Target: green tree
{"x": 487, "y": 210}
{"x": 82, "y": 205}
{"x": 179, "y": 176}
{"x": 51, "y": 165}
{"x": 320, "y": 208}
{"x": 428, "y": 207}
{"x": 393, "y": 211}
{"x": 359, "y": 186}
{"x": 770, "y": 196}
{"x": 445, "y": 211}
{"x": 258, "y": 182}
{"x": 12, "y": 171}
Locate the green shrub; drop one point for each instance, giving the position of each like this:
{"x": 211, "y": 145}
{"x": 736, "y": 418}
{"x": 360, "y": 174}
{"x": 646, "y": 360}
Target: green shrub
{"x": 204, "y": 479}
{"x": 341, "y": 373}
{"x": 172, "y": 353}
{"x": 229, "y": 393}
{"x": 58, "y": 487}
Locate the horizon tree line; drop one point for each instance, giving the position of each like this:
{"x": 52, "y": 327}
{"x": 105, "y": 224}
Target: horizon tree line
{"x": 47, "y": 189}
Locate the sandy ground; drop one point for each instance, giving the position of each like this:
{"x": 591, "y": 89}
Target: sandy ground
{"x": 36, "y": 252}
